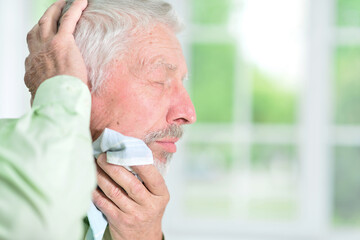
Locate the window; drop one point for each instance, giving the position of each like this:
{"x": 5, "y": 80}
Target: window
{"x": 346, "y": 148}
{"x": 276, "y": 147}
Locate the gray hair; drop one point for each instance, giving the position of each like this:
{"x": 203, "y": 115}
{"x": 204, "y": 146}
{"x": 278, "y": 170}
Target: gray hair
{"x": 105, "y": 31}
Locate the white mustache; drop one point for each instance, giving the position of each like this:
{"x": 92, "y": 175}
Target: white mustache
{"x": 173, "y": 131}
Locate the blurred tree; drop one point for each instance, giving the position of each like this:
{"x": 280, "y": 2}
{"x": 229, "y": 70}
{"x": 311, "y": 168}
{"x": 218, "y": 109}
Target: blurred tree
{"x": 347, "y": 186}
{"x": 39, "y": 7}
{"x": 348, "y": 13}
{"x": 347, "y": 85}
{"x": 210, "y": 11}
{"x": 213, "y": 66}
{"x": 272, "y": 102}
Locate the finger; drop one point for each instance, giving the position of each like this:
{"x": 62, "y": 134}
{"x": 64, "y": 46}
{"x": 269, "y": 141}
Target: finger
{"x": 133, "y": 187}
{"x": 71, "y": 17}
{"x": 48, "y": 22}
{"x": 105, "y": 205}
{"x": 152, "y": 179}
{"x": 27, "y": 63}
{"x": 114, "y": 192}
{"x": 30, "y": 38}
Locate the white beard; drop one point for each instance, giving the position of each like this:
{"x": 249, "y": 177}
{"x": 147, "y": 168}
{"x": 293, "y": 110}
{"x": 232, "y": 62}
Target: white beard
{"x": 163, "y": 168}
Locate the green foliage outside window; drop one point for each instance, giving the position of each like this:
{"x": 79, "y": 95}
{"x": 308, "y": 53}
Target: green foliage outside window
{"x": 347, "y": 186}
{"x": 272, "y": 209}
{"x": 213, "y": 66}
{"x": 347, "y": 86}
{"x": 263, "y": 157}
{"x": 40, "y": 6}
{"x": 209, "y": 159}
{"x": 348, "y": 13}
{"x": 210, "y": 11}
{"x": 273, "y": 182}
{"x": 272, "y": 102}
{"x": 207, "y": 175}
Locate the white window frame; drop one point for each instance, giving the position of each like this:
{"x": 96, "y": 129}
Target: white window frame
{"x": 14, "y": 25}
{"x": 315, "y": 135}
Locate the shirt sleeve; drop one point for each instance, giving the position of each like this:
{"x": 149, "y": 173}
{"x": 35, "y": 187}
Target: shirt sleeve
{"x": 47, "y": 171}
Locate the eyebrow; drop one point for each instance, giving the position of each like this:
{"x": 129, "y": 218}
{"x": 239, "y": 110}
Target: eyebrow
{"x": 161, "y": 62}
{"x": 172, "y": 67}
{"x": 169, "y": 66}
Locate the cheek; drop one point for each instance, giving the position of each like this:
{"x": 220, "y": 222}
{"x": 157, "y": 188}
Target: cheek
{"x": 139, "y": 114}
{"x": 145, "y": 109}
{"x": 147, "y": 102}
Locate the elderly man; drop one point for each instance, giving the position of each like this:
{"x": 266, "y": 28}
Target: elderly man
{"x": 136, "y": 69}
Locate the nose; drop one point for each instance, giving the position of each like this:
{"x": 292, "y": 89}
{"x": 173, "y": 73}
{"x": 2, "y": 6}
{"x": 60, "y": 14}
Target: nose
{"x": 182, "y": 110}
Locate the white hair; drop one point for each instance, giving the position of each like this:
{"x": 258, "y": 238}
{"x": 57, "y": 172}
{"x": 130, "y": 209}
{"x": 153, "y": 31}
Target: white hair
{"x": 106, "y": 29}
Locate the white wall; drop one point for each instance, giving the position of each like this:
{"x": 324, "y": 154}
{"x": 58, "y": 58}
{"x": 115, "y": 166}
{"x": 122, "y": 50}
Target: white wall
{"x": 14, "y": 25}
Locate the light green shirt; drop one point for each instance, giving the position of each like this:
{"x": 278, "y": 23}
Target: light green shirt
{"x": 47, "y": 171}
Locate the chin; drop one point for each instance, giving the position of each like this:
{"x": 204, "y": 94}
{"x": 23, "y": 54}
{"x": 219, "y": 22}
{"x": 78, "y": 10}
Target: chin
{"x": 163, "y": 164}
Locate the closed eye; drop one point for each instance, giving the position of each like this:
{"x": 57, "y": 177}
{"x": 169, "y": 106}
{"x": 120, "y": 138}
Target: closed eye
{"x": 162, "y": 82}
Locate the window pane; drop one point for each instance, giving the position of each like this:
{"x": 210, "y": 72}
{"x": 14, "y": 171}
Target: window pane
{"x": 208, "y": 187}
{"x": 348, "y": 12}
{"x": 347, "y": 87}
{"x": 273, "y": 182}
{"x": 210, "y": 11}
{"x": 212, "y": 77}
{"x": 272, "y": 102}
{"x": 39, "y": 7}
{"x": 347, "y": 186}
{"x": 273, "y": 50}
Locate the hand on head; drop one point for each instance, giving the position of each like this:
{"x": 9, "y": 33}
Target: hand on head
{"x": 52, "y": 47}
